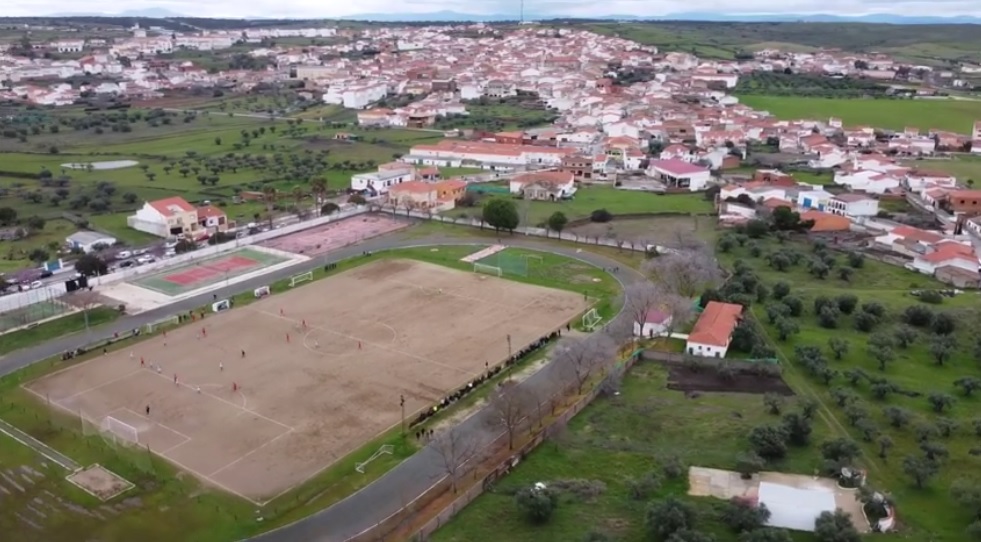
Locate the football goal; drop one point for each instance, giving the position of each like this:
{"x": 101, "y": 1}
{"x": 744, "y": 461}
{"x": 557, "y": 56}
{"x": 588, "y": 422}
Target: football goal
{"x": 488, "y": 269}
{"x": 302, "y": 277}
{"x": 261, "y": 291}
{"x": 169, "y": 321}
{"x": 119, "y": 432}
{"x": 591, "y": 319}
{"x": 385, "y": 449}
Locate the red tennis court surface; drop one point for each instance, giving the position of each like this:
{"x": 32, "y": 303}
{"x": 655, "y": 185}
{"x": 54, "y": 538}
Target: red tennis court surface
{"x": 205, "y": 272}
{"x": 322, "y": 239}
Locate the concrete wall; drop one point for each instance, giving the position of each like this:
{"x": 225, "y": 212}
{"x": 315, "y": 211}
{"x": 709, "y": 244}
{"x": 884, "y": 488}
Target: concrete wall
{"x": 29, "y": 297}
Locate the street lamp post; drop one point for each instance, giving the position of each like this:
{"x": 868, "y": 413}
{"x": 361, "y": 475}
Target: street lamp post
{"x": 508, "y": 363}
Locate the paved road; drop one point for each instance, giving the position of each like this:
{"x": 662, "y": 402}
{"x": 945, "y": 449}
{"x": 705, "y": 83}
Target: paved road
{"x": 399, "y": 486}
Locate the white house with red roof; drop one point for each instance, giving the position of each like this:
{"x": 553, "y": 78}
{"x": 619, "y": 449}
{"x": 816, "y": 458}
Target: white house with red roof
{"x": 713, "y": 331}
{"x": 167, "y": 217}
{"x": 874, "y": 182}
{"x": 680, "y": 174}
{"x": 948, "y": 253}
{"x": 544, "y": 185}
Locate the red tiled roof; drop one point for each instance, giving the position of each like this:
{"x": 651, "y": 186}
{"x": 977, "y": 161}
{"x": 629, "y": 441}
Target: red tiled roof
{"x": 676, "y": 167}
{"x": 915, "y": 234}
{"x": 716, "y": 323}
{"x": 171, "y": 206}
{"x": 210, "y": 211}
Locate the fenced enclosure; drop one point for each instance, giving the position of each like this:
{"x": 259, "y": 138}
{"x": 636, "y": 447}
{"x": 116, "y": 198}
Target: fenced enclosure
{"x": 16, "y": 317}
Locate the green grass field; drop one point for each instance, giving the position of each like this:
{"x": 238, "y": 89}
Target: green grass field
{"x": 928, "y": 512}
{"x": 591, "y": 198}
{"x": 66, "y": 325}
{"x": 167, "y": 505}
{"x": 963, "y": 167}
{"x": 952, "y": 115}
{"x": 619, "y": 439}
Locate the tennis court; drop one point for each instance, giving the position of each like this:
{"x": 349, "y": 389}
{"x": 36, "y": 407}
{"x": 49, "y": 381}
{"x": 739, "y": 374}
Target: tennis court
{"x": 185, "y": 278}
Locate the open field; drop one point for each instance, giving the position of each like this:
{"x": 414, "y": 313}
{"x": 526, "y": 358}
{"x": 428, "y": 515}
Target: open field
{"x": 933, "y": 44}
{"x": 966, "y": 168}
{"x": 661, "y": 230}
{"x": 591, "y": 198}
{"x": 620, "y": 439}
{"x": 860, "y": 392}
{"x": 953, "y": 115}
{"x": 15, "y": 254}
{"x": 322, "y": 240}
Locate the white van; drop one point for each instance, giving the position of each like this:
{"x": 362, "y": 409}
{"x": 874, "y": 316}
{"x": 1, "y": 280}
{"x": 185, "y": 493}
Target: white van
{"x": 36, "y": 284}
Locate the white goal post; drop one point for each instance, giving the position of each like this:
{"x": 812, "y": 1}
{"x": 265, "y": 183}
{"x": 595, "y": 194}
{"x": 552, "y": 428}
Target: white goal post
{"x": 302, "y": 277}
{"x": 169, "y": 321}
{"x": 385, "y": 449}
{"x": 261, "y": 291}
{"x": 488, "y": 269}
{"x": 119, "y": 432}
{"x": 591, "y": 319}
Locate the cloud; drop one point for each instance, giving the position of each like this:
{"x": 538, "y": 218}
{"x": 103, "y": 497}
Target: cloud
{"x": 575, "y": 8}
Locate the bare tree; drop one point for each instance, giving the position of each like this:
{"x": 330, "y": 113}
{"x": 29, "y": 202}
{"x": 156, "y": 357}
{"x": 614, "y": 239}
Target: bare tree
{"x": 640, "y": 299}
{"x": 679, "y": 309}
{"x": 684, "y": 272}
{"x": 455, "y": 450}
{"x": 579, "y": 357}
{"x": 509, "y": 406}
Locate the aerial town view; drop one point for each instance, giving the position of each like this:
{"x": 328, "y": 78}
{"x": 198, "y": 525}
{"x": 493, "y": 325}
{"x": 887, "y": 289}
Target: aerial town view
{"x": 510, "y": 272}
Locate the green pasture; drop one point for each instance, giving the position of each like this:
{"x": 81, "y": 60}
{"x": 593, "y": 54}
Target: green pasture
{"x": 927, "y": 512}
{"x": 951, "y": 115}
{"x": 619, "y": 439}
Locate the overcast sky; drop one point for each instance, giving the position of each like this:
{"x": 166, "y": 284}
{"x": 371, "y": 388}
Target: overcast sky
{"x": 578, "y": 8}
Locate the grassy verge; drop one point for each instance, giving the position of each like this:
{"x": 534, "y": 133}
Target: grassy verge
{"x": 175, "y": 506}
{"x": 614, "y": 441}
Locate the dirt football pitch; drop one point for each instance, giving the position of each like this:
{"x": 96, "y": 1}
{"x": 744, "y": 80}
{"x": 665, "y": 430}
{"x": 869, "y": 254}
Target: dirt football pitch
{"x": 304, "y": 397}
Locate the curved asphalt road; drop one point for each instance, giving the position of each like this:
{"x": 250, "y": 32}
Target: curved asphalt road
{"x": 412, "y": 477}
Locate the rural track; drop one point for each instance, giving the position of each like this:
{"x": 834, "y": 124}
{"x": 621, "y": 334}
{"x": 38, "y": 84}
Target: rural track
{"x": 411, "y": 478}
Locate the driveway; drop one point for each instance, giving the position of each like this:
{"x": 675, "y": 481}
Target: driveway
{"x": 409, "y": 479}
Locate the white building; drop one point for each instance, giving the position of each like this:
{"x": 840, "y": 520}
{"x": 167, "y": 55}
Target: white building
{"x": 813, "y": 199}
{"x": 948, "y": 253}
{"x": 713, "y": 331}
{"x": 379, "y": 182}
{"x": 656, "y": 323}
{"x": 166, "y": 217}
{"x": 87, "y": 241}
{"x": 680, "y": 174}
{"x": 852, "y": 205}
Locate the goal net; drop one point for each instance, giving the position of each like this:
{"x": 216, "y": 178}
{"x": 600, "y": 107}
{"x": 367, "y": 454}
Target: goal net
{"x": 261, "y": 291}
{"x": 385, "y": 449}
{"x": 119, "y": 432}
{"x": 170, "y": 321}
{"x": 488, "y": 269}
{"x": 591, "y": 319}
{"x": 302, "y": 277}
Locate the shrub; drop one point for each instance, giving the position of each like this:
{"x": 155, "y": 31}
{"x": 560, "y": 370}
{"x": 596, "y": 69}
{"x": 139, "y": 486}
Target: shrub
{"x": 931, "y": 296}
{"x": 645, "y": 487}
{"x": 537, "y": 504}
{"x": 601, "y": 215}
{"x": 917, "y": 316}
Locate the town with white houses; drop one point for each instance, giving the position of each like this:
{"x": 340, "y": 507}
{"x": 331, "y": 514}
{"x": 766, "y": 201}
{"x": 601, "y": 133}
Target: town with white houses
{"x": 677, "y": 128}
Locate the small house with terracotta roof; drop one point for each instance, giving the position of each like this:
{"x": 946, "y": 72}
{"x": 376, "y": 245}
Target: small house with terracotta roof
{"x": 212, "y": 219}
{"x": 826, "y": 222}
{"x": 413, "y": 194}
{"x": 656, "y": 322}
{"x": 166, "y": 217}
{"x": 948, "y": 253}
{"x": 713, "y": 331}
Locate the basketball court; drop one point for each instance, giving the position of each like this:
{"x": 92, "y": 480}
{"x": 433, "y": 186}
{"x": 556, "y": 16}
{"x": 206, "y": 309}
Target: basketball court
{"x": 323, "y": 370}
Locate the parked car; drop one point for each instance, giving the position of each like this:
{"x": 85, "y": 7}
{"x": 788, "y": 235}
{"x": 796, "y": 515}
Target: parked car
{"x": 123, "y": 254}
{"x": 45, "y": 274}
{"x": 36, "y": 284}
{"x": 127, "y": 263}
{"x": 146, "y": 258}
